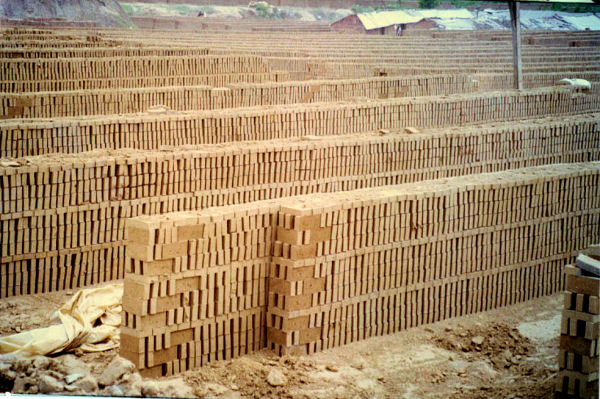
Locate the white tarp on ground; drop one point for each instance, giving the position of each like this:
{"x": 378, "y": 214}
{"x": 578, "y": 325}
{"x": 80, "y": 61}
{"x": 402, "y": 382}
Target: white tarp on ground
{"x": 89, "y": 322}
{"x": 462, "y": 19}
{"x": 532, "y": 20}
{"x": 582, "y": 22}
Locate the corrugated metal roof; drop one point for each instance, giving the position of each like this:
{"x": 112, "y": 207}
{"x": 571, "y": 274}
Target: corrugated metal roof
{"x": 381, "y": 19}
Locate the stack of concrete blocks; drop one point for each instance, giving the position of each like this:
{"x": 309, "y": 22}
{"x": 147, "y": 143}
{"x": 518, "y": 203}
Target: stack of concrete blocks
{"x": 62, "y": 218}
{"x": 20, "y": 138}
{"x": 346, "y": 266}
{"x": 579, "y": 354}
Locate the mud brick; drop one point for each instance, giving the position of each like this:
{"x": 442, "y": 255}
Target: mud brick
{"x": 139, "y": 235}
{"x": 583, "y": 284}
{"x": 576, "y": 362}
{"x": 293, "y": 324}
{"x": 577, "y": 384}
{"x": 279, "y": 337}
{"x": 132, "y": 343}
{"x": 136, "y": 305}
{"x": 140, "y": 252}
{"x": 317, "y": 235}
{"x": 157, "y": 267}
{"x": 299, "y": 252}
{"x": 582, "y": 303}
{"x": 580, "y": 324}
{"x": 153, "y": 372}
{"x": 308, "y": 222}
{"x": 309, "y": 335}
{"x": 297, "y": 302}
{"x": 136, "y": 290}
{"x": 579, "y": 345}
{"x": 279, "y": 286}
{"x": 169, "y": 251}
{"x": 161, "y": 356}
{"x": 310, "y": 286}
{"x": 296, "y": 273}
{"x": 289, "y": 236}
{"x": 182, "y": 336}
{"x": 187, "y": 284}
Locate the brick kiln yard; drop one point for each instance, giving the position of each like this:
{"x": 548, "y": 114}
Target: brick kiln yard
{"x": 303, "y": 215}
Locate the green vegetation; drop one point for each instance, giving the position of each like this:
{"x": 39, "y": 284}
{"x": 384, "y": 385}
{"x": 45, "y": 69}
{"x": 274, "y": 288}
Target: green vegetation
{"x": 128, "y": 8}
{"x": 429, "y": 3}
{"x": 393, "y": 5}
{"x": 464, "y": 3}
{"x": 572, "y": 7}
{"x": 207, "y": 10}
{"x": 267, "y": 11}
{"x": 166, "y": 9}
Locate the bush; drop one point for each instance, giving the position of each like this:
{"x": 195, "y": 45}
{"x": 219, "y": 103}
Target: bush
{"x": 358, "y": 9}
{"x": 266, "y": 11}
{"x": 464, "y": 3}
{"x": 428, "y": 3}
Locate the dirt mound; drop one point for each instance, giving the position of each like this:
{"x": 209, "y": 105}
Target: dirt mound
{"x": 508, "y": 352}
{"x": 103, "y": 12}
{"x": 503, "y": 345}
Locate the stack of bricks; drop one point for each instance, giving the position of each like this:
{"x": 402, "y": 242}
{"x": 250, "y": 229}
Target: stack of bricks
{"x": 56, "y": 74}
{"x": 346, "y": 68}
{"x": 495, "y": 81}
{"x": 425, "y": 58}
{"x": 186, "y": 98}
{"x": 101, "y": 52}
{"x": 347, "y": 266}
{"x": 579, "y": 354}
{"x": 151, "y": 131}
{"x": 63, "y": 216}
{"x": 67, "y": 210}
{"x": 195, "y": 289}
{"x": 364, "y": 263}
{"x": 17, "y": 38}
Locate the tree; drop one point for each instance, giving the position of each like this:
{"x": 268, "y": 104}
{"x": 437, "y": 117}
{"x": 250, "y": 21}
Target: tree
{"x": 428, "y": 3}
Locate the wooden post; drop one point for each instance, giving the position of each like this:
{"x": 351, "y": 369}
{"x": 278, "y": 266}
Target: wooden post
{"x": 515, "y": 22}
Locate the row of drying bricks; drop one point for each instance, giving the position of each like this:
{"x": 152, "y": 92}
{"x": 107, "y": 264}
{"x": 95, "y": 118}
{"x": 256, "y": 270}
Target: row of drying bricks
{"x": 158, "y": 244}
{"x": 186, "y": 98}
{"x": 35, "y": 199}
{"x": 23, "y": 138}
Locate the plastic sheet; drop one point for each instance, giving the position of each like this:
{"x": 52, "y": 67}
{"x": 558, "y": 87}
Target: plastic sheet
{"x": 89, "y": 322}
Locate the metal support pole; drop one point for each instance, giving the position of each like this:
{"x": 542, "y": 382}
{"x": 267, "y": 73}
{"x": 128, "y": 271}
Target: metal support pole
{"x": 515, "y": 22}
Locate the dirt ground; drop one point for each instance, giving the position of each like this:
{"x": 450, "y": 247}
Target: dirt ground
{"x": 505, "y": 353}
